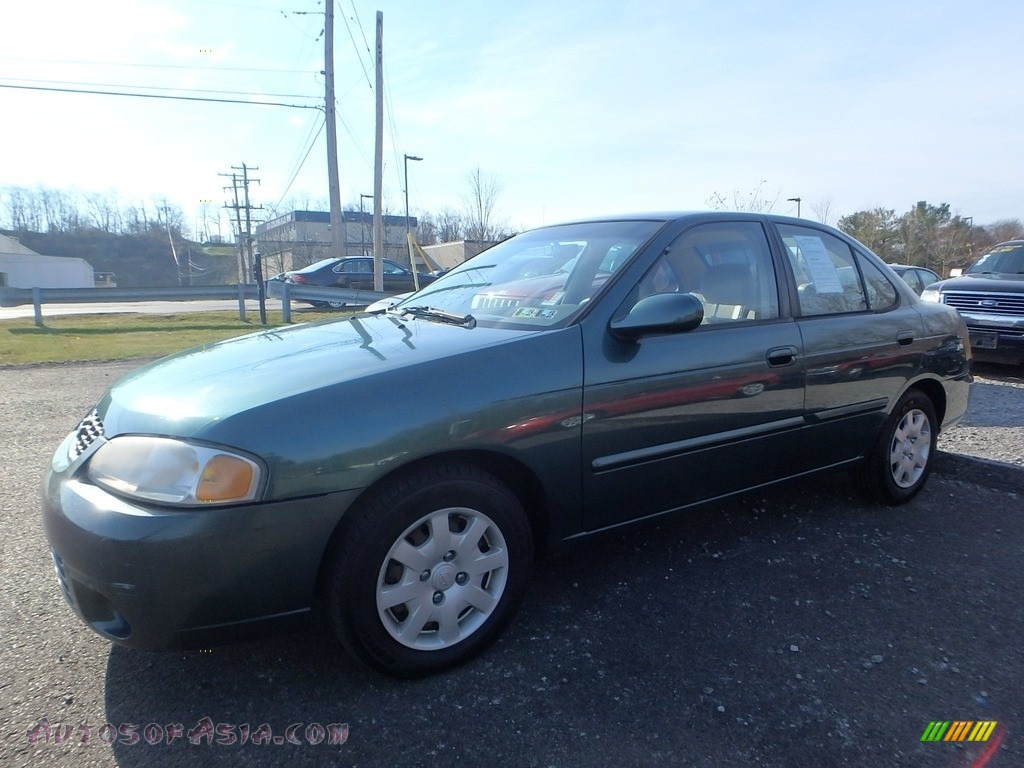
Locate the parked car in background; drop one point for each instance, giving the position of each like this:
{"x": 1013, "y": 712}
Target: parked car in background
{"x": 990, "y": 297}
{"x": 357, "y": 274}
{"x": 238, "y": 488}
{"x": 917, "y": 278}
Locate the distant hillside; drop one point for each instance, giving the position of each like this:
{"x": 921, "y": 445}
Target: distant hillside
{"x": 138, "y": 260}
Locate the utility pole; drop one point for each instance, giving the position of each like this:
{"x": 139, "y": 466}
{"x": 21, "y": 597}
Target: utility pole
{"x": 254, "y": 262}
{"x": 245, "y": 245}
{"x": 333, "y": 184}
{"x": 237, "y": 207}
{"x": 378, "y": 164}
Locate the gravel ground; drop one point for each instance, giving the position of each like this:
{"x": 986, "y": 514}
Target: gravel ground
{"x": 798, "y": 627}
{"x": 994, "y": 426}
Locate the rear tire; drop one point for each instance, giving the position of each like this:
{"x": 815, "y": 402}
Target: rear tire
{"x": 898, "y": 464}
{"x": 429, "y": 570}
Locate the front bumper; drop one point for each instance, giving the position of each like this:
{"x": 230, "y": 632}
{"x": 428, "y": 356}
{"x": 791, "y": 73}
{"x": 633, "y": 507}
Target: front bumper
{"x": 989, "y": 341}
{"x": 156, "y": 578}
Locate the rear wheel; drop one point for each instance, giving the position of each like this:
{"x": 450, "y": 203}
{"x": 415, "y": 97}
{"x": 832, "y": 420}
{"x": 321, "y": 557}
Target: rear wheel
{"x": 899, "y": 463}
{"x": 429, "y": 570}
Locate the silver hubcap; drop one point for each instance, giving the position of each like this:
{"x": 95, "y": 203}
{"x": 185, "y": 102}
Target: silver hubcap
{"x": 442, "y": 578}
{"x": 910, "y": 449}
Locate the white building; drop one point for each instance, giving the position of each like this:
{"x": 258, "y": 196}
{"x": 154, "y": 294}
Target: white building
{"x": 21, "y": 267}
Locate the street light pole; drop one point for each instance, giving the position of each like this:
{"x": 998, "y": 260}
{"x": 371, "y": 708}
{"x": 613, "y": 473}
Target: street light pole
{"x": 362, "y": 223}
{"x": 797, "y": 201}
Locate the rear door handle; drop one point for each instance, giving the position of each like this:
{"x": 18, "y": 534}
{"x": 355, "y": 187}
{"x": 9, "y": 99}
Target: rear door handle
{"x": 781, "y": 356}
{"x": 903, "y": 338}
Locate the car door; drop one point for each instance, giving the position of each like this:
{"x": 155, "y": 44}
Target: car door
{"x": 862, "y": 342}
{"x": 354, "y": 273}
{"x": 397, "y": 279}
{"x": 670, "y": 420}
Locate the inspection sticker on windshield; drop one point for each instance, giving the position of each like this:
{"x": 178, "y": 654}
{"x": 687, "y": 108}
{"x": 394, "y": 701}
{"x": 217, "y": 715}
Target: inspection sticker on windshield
{"x": 554, "y": 298}
{"x": 526, "y": 312}
{"x": 819, "y": 264}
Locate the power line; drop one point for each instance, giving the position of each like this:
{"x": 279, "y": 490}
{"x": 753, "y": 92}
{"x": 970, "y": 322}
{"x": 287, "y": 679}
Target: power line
{"x": 156, "y": 87}
{"x": 359, "y": 54}
{"x": 160, "y": 96}
{"x": 239, "y": 5}
{"x": 160, "y": 66}
{"x": 361, "y": 31}
{"x": 301, "y": 164}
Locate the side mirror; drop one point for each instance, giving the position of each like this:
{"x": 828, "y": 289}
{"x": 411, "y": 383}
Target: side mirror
{"x": 659, "y": 314}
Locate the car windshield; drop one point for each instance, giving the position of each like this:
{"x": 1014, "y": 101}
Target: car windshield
{"x": 540, "y": 278}
{"x": 1008, "y": 259}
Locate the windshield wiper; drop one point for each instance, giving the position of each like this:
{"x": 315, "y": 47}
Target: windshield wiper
{"x": 437, "y": 315}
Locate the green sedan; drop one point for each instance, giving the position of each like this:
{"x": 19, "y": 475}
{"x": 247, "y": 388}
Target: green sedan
{"x": 398, "y": 471}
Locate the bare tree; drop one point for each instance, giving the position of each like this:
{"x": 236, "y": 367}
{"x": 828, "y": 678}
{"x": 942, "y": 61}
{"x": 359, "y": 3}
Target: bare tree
{"x": 481, "y": 221}
{"x": 104, "y": 213}
{"x": 15, "y": 202}
{"x": 1004, "y": 229}
{"x": 450, "y": 226}
{"x": 754, "y": 201}
{"x": 823, "y": 210}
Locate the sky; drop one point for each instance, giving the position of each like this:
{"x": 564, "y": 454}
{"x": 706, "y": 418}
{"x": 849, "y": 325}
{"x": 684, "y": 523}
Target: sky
{"x": 574, "y": 109}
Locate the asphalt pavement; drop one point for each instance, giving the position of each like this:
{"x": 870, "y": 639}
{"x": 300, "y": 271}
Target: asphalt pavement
{"x": 797, "y": 626}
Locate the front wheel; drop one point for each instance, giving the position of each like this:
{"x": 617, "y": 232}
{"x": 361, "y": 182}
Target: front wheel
{"x": 429, "y": 570}
{"x": 898, "y": 464}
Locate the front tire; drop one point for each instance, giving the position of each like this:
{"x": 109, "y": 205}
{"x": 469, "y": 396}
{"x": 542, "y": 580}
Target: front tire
{"x": 429, "y": 570}
{"x": 898, "y": 465}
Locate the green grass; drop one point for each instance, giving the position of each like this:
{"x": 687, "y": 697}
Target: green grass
{"x": 75, "y": 338}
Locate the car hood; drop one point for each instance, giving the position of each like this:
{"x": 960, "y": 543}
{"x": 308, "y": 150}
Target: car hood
{"x": 187, "y": 392}
{"x": 996, "y": 281}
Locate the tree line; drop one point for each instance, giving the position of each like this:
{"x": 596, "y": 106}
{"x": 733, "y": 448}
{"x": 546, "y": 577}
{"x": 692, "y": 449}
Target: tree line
{"x": 927, "y": 235}
{"x": 134, "y": 240}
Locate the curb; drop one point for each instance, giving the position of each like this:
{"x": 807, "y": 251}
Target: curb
{"x": 971, "y": 469}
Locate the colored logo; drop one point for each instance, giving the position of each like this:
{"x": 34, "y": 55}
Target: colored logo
{"x": 958, "y": 730}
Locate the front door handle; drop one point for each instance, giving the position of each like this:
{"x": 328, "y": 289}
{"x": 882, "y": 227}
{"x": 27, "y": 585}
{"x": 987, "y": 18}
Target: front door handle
{"x": 905, "y": 338}
{"x": 780, "y": 356}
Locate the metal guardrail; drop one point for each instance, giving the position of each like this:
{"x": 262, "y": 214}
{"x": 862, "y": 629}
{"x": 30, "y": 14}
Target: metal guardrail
{"x": 335, "y": 297}
{"x": 287, "y": 292}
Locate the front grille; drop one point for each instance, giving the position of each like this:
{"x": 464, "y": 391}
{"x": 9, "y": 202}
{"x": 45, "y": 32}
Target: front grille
{"x": 975, "y": 302}
{"x": 90, "y": 428}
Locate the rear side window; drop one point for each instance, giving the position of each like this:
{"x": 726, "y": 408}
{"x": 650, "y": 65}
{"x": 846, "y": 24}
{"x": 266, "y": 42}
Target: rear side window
{"x": 828, "y": 282}
{"x": 881, "y": 292}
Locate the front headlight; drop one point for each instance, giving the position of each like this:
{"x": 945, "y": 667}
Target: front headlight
{"x": 931, "y": 294}
{"x": 170, "y": 471}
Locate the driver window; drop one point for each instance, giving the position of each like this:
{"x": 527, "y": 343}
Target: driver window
{"x": 726, "y": 265}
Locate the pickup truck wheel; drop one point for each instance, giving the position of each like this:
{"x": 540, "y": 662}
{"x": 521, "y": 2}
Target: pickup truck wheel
{"x": 430, "y": 570}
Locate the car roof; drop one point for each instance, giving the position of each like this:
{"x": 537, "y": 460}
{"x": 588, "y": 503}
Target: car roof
{"x": 316, "y": 265}
{"x": 667, "y": 216}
